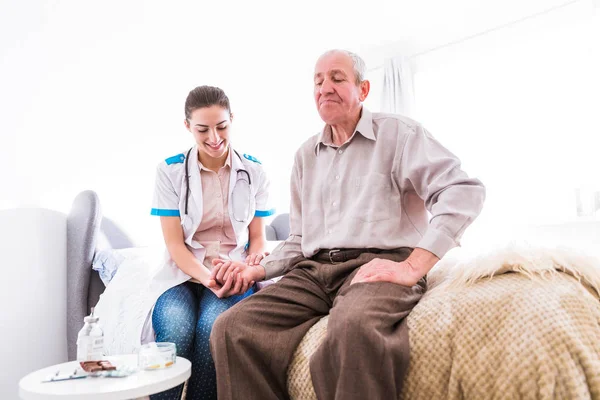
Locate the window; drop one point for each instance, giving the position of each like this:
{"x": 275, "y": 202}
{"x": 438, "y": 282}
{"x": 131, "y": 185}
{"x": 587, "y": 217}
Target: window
{"x": 519, "y": 106}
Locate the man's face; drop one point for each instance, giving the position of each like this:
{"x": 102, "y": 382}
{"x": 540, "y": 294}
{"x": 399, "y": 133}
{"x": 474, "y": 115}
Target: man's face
{"x": 337, "y": 96}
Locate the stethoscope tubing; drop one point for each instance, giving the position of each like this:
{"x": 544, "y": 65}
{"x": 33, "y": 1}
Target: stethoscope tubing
{"x": 187, "y": 177}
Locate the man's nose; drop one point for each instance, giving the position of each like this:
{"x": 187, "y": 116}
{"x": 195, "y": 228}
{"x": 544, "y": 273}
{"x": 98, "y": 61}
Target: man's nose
{"x": 326, "y": 87}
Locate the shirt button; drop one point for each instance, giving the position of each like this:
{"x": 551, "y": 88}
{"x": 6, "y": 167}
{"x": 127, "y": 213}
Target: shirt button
{"x": 329, "y": 231}
{"x": 333, "y": 204}
{"x": 219, "y": 195}
{"x": 340, "y": 151}
{"x": 337, "y": 177}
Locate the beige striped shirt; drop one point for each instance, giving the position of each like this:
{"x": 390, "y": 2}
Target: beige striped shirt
{"x": 390, "y": 185}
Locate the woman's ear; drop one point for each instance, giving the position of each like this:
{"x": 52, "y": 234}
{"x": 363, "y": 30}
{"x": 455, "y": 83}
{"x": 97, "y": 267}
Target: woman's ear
{"x": 230, "y": 116}
{"x": 187, "y": 124}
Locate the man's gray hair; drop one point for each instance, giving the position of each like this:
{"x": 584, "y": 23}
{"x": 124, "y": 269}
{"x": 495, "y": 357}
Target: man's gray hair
{"x": 360, "y": 67}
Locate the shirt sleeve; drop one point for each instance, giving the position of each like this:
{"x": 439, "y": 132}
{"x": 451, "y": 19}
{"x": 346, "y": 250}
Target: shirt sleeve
{"x": 289, "y": 252}
{"x": 264, "y": 206}
{"x": 452, "y": 198}
{"x": 166, "y": 199}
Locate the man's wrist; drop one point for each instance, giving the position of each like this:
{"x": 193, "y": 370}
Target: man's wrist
{"x": 260, "y": 273}
{"x": 421, "y": 261}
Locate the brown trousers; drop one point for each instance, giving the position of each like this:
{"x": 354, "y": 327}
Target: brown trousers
{"x": 363, "y": 356}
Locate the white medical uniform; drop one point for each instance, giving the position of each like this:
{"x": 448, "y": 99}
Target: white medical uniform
{"x": 170, "y": 195}
{"x": 127, "y": 308}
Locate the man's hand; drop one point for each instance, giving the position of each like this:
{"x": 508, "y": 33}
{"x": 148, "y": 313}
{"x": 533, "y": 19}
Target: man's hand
{"x": 380, "y": 270}
{"x": 405, "y": 273}
{"x": 242, "y": 275}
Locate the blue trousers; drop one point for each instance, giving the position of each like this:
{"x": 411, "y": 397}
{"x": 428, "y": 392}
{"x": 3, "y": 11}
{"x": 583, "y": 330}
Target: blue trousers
{"x": 184, "y": 315}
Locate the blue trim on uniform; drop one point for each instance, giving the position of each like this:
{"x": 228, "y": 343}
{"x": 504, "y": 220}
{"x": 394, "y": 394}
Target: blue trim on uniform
{"x": 264, "y": 213}
{"x": 178, "y": 159}
{"x": 251, "y": 158}
{"x": 246, "y": 246}
{"x": 164, "y": 213}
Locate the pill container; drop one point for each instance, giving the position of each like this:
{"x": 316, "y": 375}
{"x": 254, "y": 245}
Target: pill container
{"x": 157, "y": 355}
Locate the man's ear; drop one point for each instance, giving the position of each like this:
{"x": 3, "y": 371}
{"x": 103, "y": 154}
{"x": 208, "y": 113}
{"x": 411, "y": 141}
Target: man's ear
{"x": 365, "y": 87}
{"x": 231, "y": 116}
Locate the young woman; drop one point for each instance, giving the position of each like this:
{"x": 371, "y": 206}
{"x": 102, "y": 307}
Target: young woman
{"x": 210, "y": 200}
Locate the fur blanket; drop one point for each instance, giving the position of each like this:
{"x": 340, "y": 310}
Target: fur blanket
{"x": 521, "y": 322}
{"x": 535, "y": 262}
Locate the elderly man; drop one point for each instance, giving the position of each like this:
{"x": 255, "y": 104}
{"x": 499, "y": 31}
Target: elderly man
{"x": 361, "y": 242}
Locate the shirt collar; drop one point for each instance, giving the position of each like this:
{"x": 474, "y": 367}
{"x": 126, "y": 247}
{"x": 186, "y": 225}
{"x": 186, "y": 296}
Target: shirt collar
{"x": 227, "y": 161}
{"x": 364, "y": 127}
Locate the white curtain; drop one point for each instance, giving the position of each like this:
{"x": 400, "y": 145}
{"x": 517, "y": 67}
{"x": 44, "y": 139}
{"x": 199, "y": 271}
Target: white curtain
{"x": 397, "y": 95}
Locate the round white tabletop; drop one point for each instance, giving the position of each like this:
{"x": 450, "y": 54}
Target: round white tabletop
{"x": 140, "y": 384}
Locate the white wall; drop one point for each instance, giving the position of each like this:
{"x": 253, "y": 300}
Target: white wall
{"x": 92, "y": 95}
{"x": 429, "y": 24}
{"x": 518, "y": 104}
{"x": 33, "y": 254}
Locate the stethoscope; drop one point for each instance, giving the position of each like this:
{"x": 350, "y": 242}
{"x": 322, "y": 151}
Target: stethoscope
{"x": 240, "y": 189}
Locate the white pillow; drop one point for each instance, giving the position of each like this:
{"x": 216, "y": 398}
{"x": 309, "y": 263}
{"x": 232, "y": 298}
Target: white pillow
{"x": 107, "y": 262}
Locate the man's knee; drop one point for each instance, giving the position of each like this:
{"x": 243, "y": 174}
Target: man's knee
{"x": 349, "y": 320}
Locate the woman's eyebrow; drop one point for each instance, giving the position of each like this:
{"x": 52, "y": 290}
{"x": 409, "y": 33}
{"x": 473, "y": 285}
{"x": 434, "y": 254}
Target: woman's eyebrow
{"x": 206, "y": 126}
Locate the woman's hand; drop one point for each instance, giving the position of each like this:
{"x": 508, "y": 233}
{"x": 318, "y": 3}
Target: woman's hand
{"x": 255, "y": 259}
{"x": 232, "y": 285}
{"x": 221, "y": 290}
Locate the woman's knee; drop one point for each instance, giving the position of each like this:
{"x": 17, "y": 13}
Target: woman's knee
{"x": 174, "y": 317}
{"x": 212, "y": 307}
{"x": 205, "y": 325}
{"x": 179, "y": 301}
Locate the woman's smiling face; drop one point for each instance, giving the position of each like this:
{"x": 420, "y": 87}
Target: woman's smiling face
{"x": 210, "y": 127}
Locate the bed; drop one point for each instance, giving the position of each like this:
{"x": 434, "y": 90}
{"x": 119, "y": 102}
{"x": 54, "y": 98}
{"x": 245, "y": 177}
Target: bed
{"x": 518, "y": 323}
